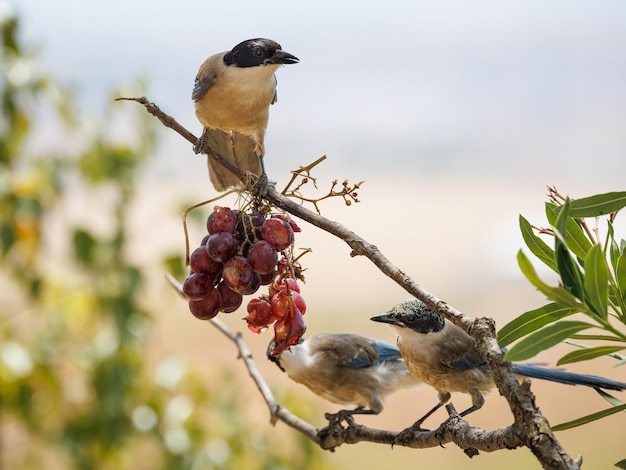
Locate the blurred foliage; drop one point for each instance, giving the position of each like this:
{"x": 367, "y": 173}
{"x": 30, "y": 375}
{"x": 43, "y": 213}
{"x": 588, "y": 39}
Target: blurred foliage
{"x": 590, "y": 262}
{"x": 76, "y": 389}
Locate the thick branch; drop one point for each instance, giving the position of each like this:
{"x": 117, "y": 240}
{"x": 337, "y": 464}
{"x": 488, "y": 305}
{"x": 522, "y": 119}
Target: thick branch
{"x": 530, "y": 428}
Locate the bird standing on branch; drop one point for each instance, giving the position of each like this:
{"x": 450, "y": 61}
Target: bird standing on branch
{"x": 232, "y": 93}
{"x": 444, "y": 356}
{"x": 346, "y": 369}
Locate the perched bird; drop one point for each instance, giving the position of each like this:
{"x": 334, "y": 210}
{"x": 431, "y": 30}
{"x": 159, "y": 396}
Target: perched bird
{"x": 232, "y": 93}
{"x": 444, "y": 356}
{"x": 346, "y": 369}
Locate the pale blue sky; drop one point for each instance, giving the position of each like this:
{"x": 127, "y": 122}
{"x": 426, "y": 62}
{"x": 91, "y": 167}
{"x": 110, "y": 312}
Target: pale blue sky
{"x": 483, "y": 86}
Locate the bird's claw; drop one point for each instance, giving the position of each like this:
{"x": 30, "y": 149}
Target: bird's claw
{"x": 201, "y": 145}
{"x": 408, "y": 434}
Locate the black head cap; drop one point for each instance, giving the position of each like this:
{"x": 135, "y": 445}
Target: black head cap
{"x": 413, "y": 314}
{"x": 259, "y": 51}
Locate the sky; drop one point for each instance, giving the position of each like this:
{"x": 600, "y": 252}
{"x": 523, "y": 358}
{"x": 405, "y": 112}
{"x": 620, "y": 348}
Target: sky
{"x": 520, "y": 89}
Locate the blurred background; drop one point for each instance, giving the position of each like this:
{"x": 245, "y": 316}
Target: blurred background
{"x": 456, "y": 116}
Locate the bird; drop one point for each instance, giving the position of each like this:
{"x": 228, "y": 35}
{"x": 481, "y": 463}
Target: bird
{"x": 444, "y": 356}
{"x": 345, "y": 369}
{"x": 232, "y": 94}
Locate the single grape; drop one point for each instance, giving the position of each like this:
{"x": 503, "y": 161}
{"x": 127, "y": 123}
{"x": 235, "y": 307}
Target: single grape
{"x": 230, "y": 300}
{"x": 222, "y": 219}
{"x": 254, "y": 285}
{"x": 201, "y": 262}
{"x": 237, "y": 273}
{"x": 278, "y": 233}
{"x": 197, "y": 286}
{"x": 208, "y": 307}
{"x": 259, "y": 314}
{"x": 262, "y": 257}
{"x": 267, "y": 279}
{"x": 221, "y": 246}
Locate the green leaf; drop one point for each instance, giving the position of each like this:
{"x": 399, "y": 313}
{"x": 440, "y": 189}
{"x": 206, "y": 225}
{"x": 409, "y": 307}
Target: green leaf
{"x": 589, "y": 418}
{"x": 556, "y": 294}
{"x": 621, "y": 464}
{"x": 577, "y": 239}
{"x": 597, "y": 338}
{"x": 531, "y": 321}
{"x": 597, "y": 281}
{"x": 536, "y": 245}
{"x": 597, "y": 205}
{"x": 588, "y": 353}
{"x": 620, "y": 274}
{"x": 543, "y": 339}
{"x": 570, "y": 273}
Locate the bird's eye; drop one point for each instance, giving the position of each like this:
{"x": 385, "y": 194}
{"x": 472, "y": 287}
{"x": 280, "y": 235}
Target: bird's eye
{"x": 258, "y": 53}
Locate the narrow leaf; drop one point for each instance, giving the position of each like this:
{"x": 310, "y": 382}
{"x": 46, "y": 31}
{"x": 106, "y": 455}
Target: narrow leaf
{"x": 531, "y": 321}
{"x": 589, "y": 418}
{"x": 543, "y": 339}
{"x": 536, "y": 245}
{"x": 597, "y": 205}
{"x": 597, "y": 281}
{"x": 620, "y": 274}
{"x": 577, "y": 239}
{"x": 570, "y": 273}
{"x": 588, "y": 353}
{"x": 608, "y": 397}
{"x": 556, "y": 294}
{"x": 621, "y": 464}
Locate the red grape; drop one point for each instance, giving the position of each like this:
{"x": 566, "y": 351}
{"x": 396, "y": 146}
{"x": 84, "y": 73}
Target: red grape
{"x": 208, "y": 307}
{"x": 237, "y": 273}
{"x": 278, "y": 233}
{"x": 197, "y": 286}
{"x": 221, "y": 246}
{"x": 201, "y": 262}
{"x": 259, "y": 314}
{"x": 262, "y": 257}
{"x": 230, "y": 300}
{"x": 254, "y": 285}
{"x": 222, "y": 219}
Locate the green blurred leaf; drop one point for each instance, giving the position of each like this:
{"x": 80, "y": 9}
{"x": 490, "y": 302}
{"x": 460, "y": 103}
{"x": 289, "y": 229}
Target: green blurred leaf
{"x": 597, "y": 281}
{"x": 621, "y": 464}
{"x": 543, "y": 339}
{"x": 588, "y": 353}
{"x": 84, "y": 246}
{"x": 589, "y": 418}
{"x": 536, "y": 245}
{"x": 597, "y": 205}
{"x": 531, "y": 321}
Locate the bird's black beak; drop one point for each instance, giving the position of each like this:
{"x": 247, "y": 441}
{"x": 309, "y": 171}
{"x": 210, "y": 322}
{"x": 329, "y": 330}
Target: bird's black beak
{"x": 387, "y": 318}
{"x": 282, "y": 57}
{"x": 271, "y": 357}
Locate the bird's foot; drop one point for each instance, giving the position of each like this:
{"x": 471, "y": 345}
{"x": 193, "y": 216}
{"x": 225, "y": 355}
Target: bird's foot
{"x": 408, "y": 434}
{"x": 335, "y": 426}
{"x": 202, "y": 144}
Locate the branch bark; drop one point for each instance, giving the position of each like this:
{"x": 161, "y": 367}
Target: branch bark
{"x": 530, "y": 428}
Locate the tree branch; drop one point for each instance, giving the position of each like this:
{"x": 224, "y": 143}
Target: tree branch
{"x": 530, "y": 428}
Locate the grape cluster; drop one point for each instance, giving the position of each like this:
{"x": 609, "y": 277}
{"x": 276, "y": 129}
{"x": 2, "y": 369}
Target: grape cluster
{"x": 239, "y": 254}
